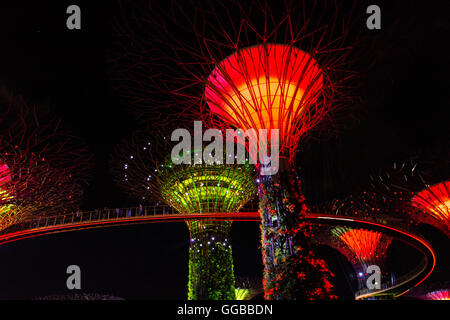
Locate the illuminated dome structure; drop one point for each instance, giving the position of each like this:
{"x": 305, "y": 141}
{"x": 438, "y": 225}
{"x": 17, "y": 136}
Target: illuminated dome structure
{"x": 434, "y": 205}
{"x": 191, "y": 189}
{"x": 42, "y": 167}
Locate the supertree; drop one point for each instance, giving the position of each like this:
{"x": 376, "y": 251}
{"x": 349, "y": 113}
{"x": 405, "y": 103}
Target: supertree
{"x": 145, "y": 170}
{"x": 434, "y": 205}
{"x": 280, "y": 68}
{"x": 361, "y": 247}
{"x": 42, "y": 167}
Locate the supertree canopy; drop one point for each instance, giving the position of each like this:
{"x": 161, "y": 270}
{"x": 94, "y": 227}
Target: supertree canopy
{"x": 362, "y": 248}
{"x": 251, "y": 66}
{"x": 145, "y": 171}
{"x": 42, "y": 167}
{"x": 443, "y": 294}
{"x": 206, "y": 188}
{"x": 434, "y": 205}
{"x": 409, "y": 189}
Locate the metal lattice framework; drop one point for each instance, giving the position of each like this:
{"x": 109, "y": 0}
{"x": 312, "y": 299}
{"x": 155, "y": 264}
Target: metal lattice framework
{"x": 405, "y": 187}
{"x": 361, "y": 247}
{"x": 42, "y": 167}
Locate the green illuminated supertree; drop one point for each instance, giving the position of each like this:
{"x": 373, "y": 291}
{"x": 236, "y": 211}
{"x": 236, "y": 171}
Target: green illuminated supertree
{"x": 144, "y": 170}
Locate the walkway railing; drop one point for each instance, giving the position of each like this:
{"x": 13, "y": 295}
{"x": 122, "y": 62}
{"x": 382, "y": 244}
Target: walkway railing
{"x": 98, "y": 215}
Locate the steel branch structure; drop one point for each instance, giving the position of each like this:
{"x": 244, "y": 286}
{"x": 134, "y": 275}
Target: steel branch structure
{"x": 42, "y": 167}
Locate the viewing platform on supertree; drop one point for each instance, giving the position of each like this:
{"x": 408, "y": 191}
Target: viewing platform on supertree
{"x": 42, "y": 167}
{"x": 434, "y": 206}
{"x": 147, "y": 172}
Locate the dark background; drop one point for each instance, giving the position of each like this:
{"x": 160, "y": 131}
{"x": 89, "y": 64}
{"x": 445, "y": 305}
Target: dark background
{"x": 67, "y": 70}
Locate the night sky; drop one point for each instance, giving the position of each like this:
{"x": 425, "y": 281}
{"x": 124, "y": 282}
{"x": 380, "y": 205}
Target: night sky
{"x": 405, "y": 96}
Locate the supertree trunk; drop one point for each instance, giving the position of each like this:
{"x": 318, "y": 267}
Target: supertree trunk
{"x": 291, "y": 270}
{"x": 211, "y": 274}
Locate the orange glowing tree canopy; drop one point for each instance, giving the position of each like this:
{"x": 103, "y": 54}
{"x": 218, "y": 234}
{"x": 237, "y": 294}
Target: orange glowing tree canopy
{"x": 368, "y": 247}
{"x": 8, "y": 211}
{"x": 269, "y": 86}
{"x": 435, "y": 201}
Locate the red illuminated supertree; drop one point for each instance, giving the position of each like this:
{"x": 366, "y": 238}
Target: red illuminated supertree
{"x": 406, "y": 186}
{"x": 434, "y": 205}
{"x": 42, "y": 168}
{"x": 251, "y": 67}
